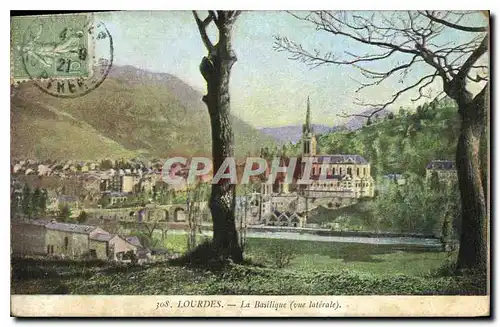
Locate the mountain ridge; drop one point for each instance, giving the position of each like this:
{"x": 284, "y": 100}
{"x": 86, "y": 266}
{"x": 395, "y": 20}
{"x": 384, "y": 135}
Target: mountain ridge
{"x": 293, "y": 133}
{"x": 134, "y": 112}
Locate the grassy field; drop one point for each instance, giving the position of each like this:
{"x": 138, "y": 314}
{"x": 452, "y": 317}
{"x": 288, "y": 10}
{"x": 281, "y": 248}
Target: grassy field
{"x": 272, "y": 267}
{"x": 309, "y": 255}
{"x": 39, "y": 276}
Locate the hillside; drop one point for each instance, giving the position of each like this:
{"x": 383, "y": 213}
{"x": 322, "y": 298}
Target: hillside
{"x": 356, "y": 122}
{"x": 401, "y": 144}
{"x": 293, "y": 133}
{"x": 134, "y": 112}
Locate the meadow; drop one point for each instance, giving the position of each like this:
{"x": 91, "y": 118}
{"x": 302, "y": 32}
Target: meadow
{"x": 272, "y": 266}
{"x": 380, "y": 259}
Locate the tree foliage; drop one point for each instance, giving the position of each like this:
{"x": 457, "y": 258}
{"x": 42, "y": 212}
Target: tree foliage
{"x": 418, "y": 206}
{"x": 64, "y": 213}
{"x": 26, "y": 204}
{"x": 405, "y": 143}
{"x": 82, "y": 217}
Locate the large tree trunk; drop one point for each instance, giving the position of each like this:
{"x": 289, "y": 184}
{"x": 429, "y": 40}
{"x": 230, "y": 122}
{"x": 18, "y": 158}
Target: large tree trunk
{"x": 473, "y": 253}
{"x": 216, "y": 69}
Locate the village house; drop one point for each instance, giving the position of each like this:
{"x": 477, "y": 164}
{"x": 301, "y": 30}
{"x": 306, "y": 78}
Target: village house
{"x": 44, "y": 170}
{"x": 445, "y": 170}
{"x": 129, "y": 182}
{"x": 120, "y": 182}
{"x": 90, "y": 182}
{"x": 113, "y": 198}
{"x": 146, "y": 184}
{"x": 55, "y": 203}
{"x": 41, "y": 237}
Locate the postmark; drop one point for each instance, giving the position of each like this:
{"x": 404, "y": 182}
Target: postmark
{"x": 64, "y": 55}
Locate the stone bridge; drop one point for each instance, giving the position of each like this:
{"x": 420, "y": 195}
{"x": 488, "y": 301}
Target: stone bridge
{"x": 151, "y": 213}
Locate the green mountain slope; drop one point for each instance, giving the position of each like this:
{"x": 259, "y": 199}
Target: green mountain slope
{"x": 134, "y": 112}
{"x": 400, "y": 143}
{"x": 406, "y": 143}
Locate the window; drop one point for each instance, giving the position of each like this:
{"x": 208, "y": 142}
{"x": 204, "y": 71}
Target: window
{"x": 66, "y": 243}
{"x": 364, "y": 171}
{"x": 333, "y": 171}
{"x": 357, "y": 171}
{"x": 349, "y": 171}
{"x": 93, "y": 254}
{"x": 340, "y": 171}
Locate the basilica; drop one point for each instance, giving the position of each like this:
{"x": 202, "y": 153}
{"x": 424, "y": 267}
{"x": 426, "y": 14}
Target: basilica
{"x": 337, "y": 180}
{"x": 347, "y": 176}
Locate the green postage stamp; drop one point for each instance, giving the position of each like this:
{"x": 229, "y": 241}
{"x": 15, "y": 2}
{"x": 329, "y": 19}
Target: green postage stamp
{"x": 57, "y": 52}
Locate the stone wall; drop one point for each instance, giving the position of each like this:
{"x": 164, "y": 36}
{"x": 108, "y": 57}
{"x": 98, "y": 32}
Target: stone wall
{"x": 28, "y": 239}
{"x": 77, "y": 244}
{"x": 100, "y": 247}
{"x": 119, "y": 245}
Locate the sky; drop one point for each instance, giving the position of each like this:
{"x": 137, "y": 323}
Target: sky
{"x": 267, "y": 89}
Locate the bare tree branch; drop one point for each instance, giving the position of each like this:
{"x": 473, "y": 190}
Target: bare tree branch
{"x": 202, "y": 27}
{"x": 455, "y": 26}
{"x": 481, "y": 50}
{"x": 381, "y": 106}
{"x": 213, "y": 15}
{"x": 411, "y": 33}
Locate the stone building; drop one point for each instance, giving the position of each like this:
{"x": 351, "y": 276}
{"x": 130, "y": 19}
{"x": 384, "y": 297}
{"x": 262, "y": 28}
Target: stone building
{"x": 119, "y": 182}
{"x": 91, "y": 185}
{"x": 40, "y": 237}
{"x": 445, "y": 170}
{"x": 113, "y": 198}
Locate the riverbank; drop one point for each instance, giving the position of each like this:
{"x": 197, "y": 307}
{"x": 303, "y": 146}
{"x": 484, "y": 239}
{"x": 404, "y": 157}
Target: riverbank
{"x": 329, "y": 232}
{"x": 314, "y": 231}
{"x": 428, "y": 244}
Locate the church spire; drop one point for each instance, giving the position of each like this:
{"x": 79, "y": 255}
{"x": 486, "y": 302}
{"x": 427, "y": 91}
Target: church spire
{"x": 308, "y": 116}
{"x": 307, "y": 128}
{"x": 308, "y": 138}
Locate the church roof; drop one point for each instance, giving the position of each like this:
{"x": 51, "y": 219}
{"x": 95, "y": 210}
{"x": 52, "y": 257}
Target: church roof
{"x": 342, "y": 158}
{"x": 441, "y": 164}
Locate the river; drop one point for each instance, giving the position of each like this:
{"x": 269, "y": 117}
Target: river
{"x": 412, "y": 241}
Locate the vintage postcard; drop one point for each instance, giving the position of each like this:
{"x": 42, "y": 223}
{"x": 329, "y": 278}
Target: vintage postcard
{"x": 250, "y": 164}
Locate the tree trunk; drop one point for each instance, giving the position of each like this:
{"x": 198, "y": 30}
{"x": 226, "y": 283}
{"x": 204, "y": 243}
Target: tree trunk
{"x": 473, "y": 253}
{"x": 216, "y": 69}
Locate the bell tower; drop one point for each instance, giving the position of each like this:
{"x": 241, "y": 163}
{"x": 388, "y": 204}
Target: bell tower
{"x": 308, "y": 138}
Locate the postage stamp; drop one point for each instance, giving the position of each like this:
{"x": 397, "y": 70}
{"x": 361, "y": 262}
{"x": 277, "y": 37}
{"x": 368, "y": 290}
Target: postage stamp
{"x": 301, "y": 164}
{"x": 57, "y": 52}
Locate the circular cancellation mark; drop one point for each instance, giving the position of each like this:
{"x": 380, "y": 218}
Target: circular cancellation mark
{"x": 71, "y": 67}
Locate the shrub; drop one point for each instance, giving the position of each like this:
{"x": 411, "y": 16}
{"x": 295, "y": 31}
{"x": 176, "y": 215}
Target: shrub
{"x": 281, "y": 253}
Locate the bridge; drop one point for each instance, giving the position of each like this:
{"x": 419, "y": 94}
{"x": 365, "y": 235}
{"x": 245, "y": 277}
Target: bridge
{"x": 150, "y": 213}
